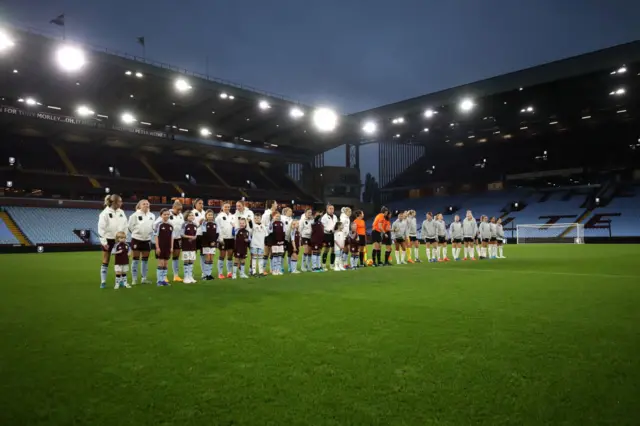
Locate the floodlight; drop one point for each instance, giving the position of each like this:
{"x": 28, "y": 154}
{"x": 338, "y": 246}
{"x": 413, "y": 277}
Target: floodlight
{"x": 182, "y": 85}
{"x": 224, "y": 95}
{"x": 398, "y": 120}
{"x": 325, "y": 119}
{"x": 15, "y": 71}
{"x": 84, "y": 111}
{"x": 515, "y": 205}
{"x": 597, "y": 200}
{"x": 622, "y": 70}
{"x": 111, "y": 169}
{"x": 107, "y": 190}
{"x": 6, "y": 42}
{"x": 70, "y": 58}
{"x": 12, "y": 161}
{"x": 187, "y": 176}
{"x": 264, "y": 105}
{"x": 426, "y": 129}
{"x": 139, "y": 74}
{"x": 127, "y": 118}
{"x": 466, "y": 105}
{"x": 127, "y": 73}
{"x": 529, "y": 109}
{"x": 429, "y": 113}
{"x": 296, "y": 112}
{"x": 30, "y": 101}
{"x": 232, "y": 97}
{"x": 205, "y": 132}
{"x": 9, "y": 184}
{"x": 620, "y": 91}
{"x": 370, "y": 127}
{"x": 182, "y": 194}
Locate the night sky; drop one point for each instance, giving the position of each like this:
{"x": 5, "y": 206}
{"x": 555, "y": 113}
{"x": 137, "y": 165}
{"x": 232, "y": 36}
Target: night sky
{"x": 347, "y": 54}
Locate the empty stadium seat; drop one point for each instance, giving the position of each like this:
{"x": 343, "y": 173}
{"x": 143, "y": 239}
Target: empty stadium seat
{"x": 6, "y": 237}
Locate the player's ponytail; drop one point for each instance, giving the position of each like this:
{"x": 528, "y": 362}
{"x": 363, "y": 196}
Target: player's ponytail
{"x": 107, "y": 201}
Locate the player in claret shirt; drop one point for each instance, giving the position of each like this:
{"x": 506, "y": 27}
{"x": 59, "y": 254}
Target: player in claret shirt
{"x": 278, "y": 240}
{"x": 209, "y": 243}
{"x": 164, "y": 246}
{"x": 354, "y": 248}
{"x": 121, "y": 255}
{"x": 241, "y": 248}
{"x": 294, "y": 247}
{"x": 189, "y": 245}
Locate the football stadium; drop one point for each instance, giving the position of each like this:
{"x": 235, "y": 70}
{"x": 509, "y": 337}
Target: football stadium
{"x": 174, "y": 249}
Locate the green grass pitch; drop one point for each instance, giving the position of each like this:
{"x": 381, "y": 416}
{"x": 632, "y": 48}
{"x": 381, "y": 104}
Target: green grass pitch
{"x": 548, "y": 336}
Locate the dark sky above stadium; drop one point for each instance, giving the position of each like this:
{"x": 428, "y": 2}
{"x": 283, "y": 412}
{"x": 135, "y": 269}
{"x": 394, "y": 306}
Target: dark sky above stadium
{"x": 349, "y": 54}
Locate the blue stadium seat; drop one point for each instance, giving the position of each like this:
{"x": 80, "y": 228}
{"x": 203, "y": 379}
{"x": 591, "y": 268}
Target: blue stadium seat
{"x": 6, "y": 237}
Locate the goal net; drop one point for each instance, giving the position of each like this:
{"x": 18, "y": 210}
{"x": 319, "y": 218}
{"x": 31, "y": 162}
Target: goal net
{"x": 555, "y": 233}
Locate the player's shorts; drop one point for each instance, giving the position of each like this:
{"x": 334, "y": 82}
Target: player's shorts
{"x": 199, "y": 242}
{"x": 305, "y": 241}
{"x": 110, "y": 244}
{"x": 121, "y": 269}
{"x": 286, "y": 246}
{"x": 241, "y": 253}
{"x": 430, "y": 240}
{"x": 376, "y": 236}
{"x": 500, "y": 241}
{"x": 362, "y": 240}
{"x": 137, "y": 245}
{"x": 164, "y": 254}
{"x": 189, "y": 256}
{"x": 442, "y": 240}
{"x": 493, "y": 239}
{"x": 485, "y": 240}
{"x": 290, "y": 251}
{"x": 277, "y": 249}
{"x": 400, "y": 240}
{"x": 177, "y": 244}
{"x": 329, "y": 240}
{"x": 256, "y": 251}
{"x": 457, "y": 240}
{"x": 268, "y": 240}
{"x": 315, "y": 246}
{"x": 228, "y": 244}
{"x": 468, "y": 239}
{"x": 386, "y": 240}
{"x": 413, "y": 239}
{"x": 208, "y": 250}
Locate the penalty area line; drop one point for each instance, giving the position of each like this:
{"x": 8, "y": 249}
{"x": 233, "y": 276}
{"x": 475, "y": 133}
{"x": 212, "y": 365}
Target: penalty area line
{"x": 529, "y": 272}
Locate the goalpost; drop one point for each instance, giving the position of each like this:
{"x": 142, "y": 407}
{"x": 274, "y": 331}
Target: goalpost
{"x": 555, "y": 233}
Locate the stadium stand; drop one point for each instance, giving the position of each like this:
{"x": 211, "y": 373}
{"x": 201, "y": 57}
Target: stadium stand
{"x": 6, "y": 236}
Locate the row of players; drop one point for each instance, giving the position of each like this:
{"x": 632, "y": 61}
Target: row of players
{"x": 268, "y": 238}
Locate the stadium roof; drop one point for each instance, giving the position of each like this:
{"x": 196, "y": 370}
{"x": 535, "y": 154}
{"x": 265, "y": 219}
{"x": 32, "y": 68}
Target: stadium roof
{"x": 588, "y": 88}
{"x": 111, "y": 84}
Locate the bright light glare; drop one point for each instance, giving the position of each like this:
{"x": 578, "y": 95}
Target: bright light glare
{"x": 205, "y": 132}
{"x": 139, "y": 74}
{"x": 182, "y": 85}
{"x": 224, "y": 95}
{"x": 622, "y": 70}
{"x": 5, "y": 41}
{"x": 70, "y": 58}
{"x": 84, "y": 111}
{"x": 428, "y": 113}
{"x": 530, "y": 109}
{"x": 127, "y": 118}
{"x": 369, "y": 127}
{"x": 30, "y": 101}
{"x": 466, "y": 105}
{"x": 127, "y": 73}
{"x": 325, "y": 119}
{"x": 296, "y": 112}
{"x": 264, "y": 105}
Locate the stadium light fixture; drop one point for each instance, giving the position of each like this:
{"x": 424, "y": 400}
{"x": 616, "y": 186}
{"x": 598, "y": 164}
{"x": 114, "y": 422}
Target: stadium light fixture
{"x": 426, "y": 130}
{"x": 466, "y": 105}
{"x": 620, "y": 70}
{"x": 204, "y": 132}
{"x": 128, "y": 72}
{"x": 182, "y": 85}
{"x": 107, "y": 190}
{"x": 296, "y": 112}
{"x": 12, "y": 161}
{"x": 6, "y": 42}
{"x": 15, "y": 71}
{"x": 139, "y": 74}
{"x": 264, "y": 105}
{"x": 128, "y": 118}
{"x": 399, "y": 120}
{"x": 70, "y": 58}
{"x": 9, "y": 184}
{"x": 325, "y": 119}
{"x": 223, "y": 95}
{"x": 429, "y": 113}
{"x": 30, "y": 101}
{"x": 618, "y": 92}
{"x": 84, "y": 111}
{"x": 370, "y": 127}
{"x": 231, "y": 97}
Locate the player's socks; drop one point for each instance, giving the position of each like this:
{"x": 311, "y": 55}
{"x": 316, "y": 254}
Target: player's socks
{"x": 203, "y": 259}
{"x": 229, "y": 265}
{"x": 145, "y": 267}
{"x": 104, "y": 269}
{"x": 387, "y": 256}
{"x": 254, "y": 265}
{"x": 397, "y": 256}
{"x": 235, "y": 270}
{"x": 294, "y": 266}
{"x": 263, "y": 264}
{"x": 134, "y": 269}
{"x": 361, "y": 258}
{"x": 220, "y": 266}
{"x": 403, "y": 256}
{"x": 332, "y": 259}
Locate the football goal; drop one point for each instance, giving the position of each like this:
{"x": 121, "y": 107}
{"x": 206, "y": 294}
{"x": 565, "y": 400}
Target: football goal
{"x": 554, "y": 233}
